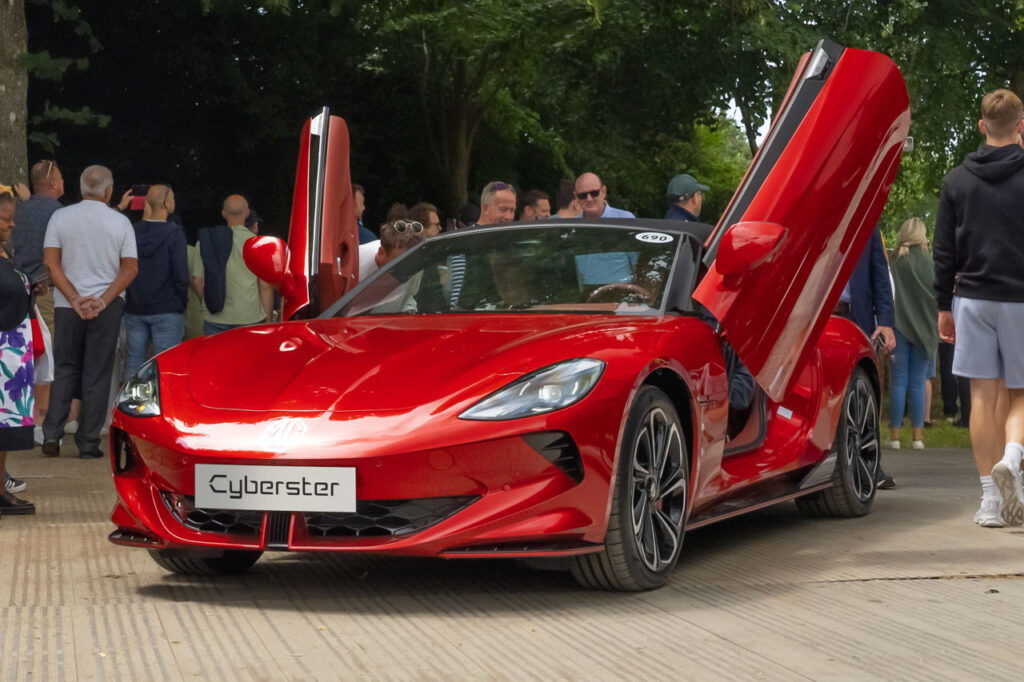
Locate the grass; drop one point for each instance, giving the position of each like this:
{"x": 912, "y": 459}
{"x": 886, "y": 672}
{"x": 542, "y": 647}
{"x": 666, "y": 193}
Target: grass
{"x": 942, "y": 434}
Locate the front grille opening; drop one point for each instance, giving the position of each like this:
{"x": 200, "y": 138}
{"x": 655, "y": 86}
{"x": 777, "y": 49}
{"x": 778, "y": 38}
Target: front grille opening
{"x": 560, "y": 449}
{"x": 385, "y": 518}
{"x": 125, "y": 457}
{"x": 224, "y": 521}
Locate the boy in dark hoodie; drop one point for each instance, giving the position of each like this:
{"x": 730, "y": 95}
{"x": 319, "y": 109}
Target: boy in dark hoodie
{"x": 979, "y": 285}
{"x": 155, "y": 310}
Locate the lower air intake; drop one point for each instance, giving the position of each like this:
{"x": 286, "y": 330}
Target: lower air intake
{"x": 386, "y": 518}
{"x": 225, "y": 521}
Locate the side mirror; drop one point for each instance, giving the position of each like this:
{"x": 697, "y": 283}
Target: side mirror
{"x": 267, "y": 257}
{"x": 745, "y": 246}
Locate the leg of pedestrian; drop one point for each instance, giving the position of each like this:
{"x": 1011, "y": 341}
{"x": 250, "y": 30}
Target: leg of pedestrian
{"x": 97, "y": 370}
{"x": 898, "y": 391}
{"x": 917, "y": 372}
{"x": 988, "y": 442}
{"x": 67, "y": 356}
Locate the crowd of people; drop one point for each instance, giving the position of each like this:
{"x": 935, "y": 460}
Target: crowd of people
{"x": 75, "y": 279}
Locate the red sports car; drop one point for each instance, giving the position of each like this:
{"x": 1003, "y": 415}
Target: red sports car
{"x": 543, "y": 390}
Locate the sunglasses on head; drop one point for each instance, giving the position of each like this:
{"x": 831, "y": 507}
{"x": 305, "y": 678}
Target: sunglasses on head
{"x": 413, "y": 226}
{"x": 593, "y": 194}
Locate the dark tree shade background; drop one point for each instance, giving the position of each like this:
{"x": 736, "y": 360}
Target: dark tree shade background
{"x": 442, "y": 96}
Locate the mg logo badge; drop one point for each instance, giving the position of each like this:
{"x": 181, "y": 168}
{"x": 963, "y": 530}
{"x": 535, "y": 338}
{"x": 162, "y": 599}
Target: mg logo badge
{"x": 282, "y": 434}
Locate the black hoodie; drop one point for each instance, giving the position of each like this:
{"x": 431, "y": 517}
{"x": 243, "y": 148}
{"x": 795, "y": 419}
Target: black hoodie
{"x": 979, "y": 230}
{"x": 162, "y": 283}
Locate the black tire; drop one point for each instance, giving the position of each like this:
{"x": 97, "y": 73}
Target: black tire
{"x": 858, "y": 456}
{"x": 232, "y": 561}
{"x": 648, "y": 513}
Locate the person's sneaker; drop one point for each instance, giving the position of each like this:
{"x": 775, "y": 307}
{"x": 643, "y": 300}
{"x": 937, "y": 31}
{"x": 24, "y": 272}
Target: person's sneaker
{"x": 51, "y": 448}
{"x": 917, "y": 445}
{"x": 1008, "y": 480}
{"x": 950, "y": 420}
{"x": 13, "y": 485}
{"x": 89, "y": 454}
{"x": 892, "y": 444}
{"x": 38, "y": 434}
{"x": 987, "y": 515}
{"x": 71, "y": 427}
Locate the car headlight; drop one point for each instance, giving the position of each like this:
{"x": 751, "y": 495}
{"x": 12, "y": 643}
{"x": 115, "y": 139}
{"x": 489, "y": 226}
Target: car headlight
{"x": 140, "y": 395}
{"x": 545, "y": 390}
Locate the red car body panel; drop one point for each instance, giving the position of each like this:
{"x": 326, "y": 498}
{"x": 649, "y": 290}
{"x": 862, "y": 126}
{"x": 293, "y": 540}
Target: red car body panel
{"x": 826, "y": 193}
{"x": 323, "y": 236}
{"x": 383, "y": 394}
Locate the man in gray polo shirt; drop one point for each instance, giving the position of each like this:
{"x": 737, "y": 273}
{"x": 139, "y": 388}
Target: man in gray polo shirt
{"x": 90, "y": 251}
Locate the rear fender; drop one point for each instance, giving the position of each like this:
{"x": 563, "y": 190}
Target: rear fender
{"x": 842, "y": 347}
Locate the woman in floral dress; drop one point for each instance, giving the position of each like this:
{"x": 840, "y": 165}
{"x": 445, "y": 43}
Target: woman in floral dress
{"x": 16, "y": 369}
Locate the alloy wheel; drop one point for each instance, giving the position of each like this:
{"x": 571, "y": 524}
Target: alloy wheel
{"x": 862, "y": 444}
{"x": 659, "y": 490}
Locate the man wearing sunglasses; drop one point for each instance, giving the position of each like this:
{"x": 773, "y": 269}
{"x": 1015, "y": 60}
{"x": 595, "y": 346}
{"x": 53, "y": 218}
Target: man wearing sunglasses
{"x": 592, "y": 195}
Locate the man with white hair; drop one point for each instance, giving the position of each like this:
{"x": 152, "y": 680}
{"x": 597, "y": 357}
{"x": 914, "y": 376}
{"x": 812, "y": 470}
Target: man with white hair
{"x": 90, "y": 251}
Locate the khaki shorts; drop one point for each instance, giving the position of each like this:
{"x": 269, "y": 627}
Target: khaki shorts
{"x": 45, "y": 305}
{"x": 989, "y": 338}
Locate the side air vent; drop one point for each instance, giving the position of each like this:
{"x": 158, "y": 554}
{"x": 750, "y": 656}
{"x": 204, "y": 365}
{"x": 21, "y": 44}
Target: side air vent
{"x": 558, "y": 448}
{"x": 124, "y": 452}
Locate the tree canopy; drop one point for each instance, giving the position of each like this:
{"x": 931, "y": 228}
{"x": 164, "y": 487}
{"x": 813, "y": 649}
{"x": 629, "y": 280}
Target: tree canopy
{"x": 442, "y": 96}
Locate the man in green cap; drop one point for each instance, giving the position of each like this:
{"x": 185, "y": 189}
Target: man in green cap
{"x": 685, "y": 198}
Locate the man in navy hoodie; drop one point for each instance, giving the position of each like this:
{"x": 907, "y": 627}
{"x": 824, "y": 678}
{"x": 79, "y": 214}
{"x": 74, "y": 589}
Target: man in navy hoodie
{"x": 155, "y": 311}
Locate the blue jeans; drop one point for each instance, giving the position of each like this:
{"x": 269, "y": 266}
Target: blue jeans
{"x": 164, "y": 330}
{"x": 909, "y": 369}
{"x": 211, "y": 328}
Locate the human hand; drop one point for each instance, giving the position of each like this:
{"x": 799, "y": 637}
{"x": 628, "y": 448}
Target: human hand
{"x": 21, "y": 189}
{"x": 96, "y": 306}
{"x": 126, "y": 199}
{"x": 83, "y": 306}
{"x": 886, "y": 336}
{"x": 947, "y": 328}
{"x": 40, "y": 288}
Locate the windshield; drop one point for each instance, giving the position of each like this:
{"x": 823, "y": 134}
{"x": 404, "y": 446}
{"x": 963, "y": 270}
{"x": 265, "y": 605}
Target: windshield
{"x": 549, "y": 269}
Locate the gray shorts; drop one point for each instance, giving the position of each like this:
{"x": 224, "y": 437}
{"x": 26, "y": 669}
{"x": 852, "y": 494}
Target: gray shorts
{"x": 989, "y": 340}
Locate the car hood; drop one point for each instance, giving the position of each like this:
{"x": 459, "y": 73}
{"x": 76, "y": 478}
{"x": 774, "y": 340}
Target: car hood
{"x": 388, "y": 364}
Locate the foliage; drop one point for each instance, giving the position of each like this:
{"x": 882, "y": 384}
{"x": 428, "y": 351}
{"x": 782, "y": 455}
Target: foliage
{"x": 442, "y": 96}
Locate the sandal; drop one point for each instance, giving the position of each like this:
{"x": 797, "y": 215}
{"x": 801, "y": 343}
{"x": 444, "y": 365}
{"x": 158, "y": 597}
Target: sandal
{"x": 13, "y": 506}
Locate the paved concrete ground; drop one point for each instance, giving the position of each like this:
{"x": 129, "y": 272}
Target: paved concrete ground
{"x": 914, "y": 591}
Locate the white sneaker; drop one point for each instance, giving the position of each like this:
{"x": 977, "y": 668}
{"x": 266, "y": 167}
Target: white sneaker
{"x": 71, "y": 427}
{"x": 987, "y": 515}
{"x": 39, "y": 437}
{"x": 1008, "y": 480}
{"x": 892, "y": 444}
{"x": 917, "y": 445}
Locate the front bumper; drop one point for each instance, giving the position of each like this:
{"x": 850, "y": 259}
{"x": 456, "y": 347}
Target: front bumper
{"x": 534, "y": 495}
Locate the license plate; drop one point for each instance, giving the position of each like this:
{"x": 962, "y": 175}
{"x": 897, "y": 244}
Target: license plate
{"x": 276, "y": 488}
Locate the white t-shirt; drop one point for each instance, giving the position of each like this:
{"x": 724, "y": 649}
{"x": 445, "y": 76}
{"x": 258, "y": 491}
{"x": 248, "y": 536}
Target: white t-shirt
{"x": 93, "y": 238}
{"x": 368, "y": 259}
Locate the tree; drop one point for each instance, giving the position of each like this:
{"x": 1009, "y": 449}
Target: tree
{"x": 14, "y": 86}
{"x": 19, "y": 66}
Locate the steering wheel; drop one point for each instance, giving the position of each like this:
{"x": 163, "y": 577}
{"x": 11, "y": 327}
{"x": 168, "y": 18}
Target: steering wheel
{"x": 611, "y": 286}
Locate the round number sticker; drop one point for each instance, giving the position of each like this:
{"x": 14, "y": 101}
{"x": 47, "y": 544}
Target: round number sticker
{"x": 654, "y": 237}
